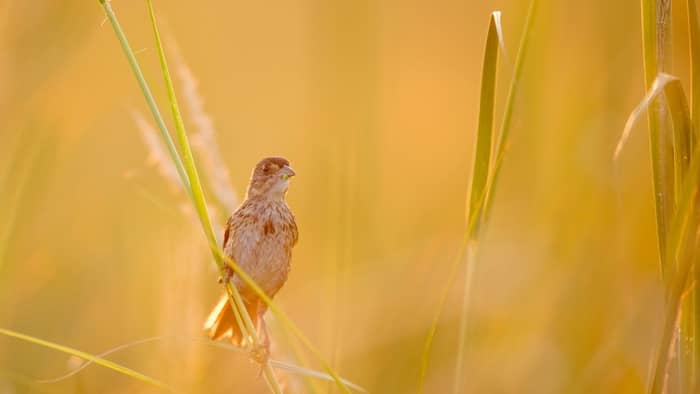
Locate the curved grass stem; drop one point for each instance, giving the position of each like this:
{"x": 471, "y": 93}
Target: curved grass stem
{"x": 188, "y": 172}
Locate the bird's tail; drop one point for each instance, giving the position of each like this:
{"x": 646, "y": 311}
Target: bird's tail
{"x": 221, "y": 322}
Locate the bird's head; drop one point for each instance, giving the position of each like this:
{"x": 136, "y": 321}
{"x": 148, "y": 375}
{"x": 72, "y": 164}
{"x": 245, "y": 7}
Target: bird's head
{"x": 270, "y": 178}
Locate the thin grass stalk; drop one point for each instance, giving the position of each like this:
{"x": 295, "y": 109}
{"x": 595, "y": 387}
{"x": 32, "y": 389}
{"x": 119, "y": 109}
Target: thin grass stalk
{"x": 146, "y": 92}
{"x": 470, "y": 257}
{"x": 300, "y": 358}
{"x": 682, "y": 133}
{"x": 661, "y": 154}
{"x": 513, "y": 90}
{"x": 451, "y": 277}
{"x": 87, "y": 356}
{"x": 13, "y": 200}
{"x": 480, "y": 175}
{"x": 482, "y": 156}
{"x": 500, "y": 150}
{"x": 281, "y": 365}
{"x": 694, "y": 49}
{"x": 685, "y": 247}
{"x": 204, "y": 139}
{"x": 691, "y": 311}
{"x": 201, "y": 206}
{"x": 220, "y": 257}
{"x": 200, "y": 200}
{"x": 237, "y": 304}
{"x": 182, "y": 172}
{"x": 284, "y": 319}
{"x": 674, "y": 266}
{"x": 682, "y": 228}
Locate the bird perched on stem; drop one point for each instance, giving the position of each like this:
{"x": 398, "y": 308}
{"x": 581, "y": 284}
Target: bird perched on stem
{"x": 259, "y": 237}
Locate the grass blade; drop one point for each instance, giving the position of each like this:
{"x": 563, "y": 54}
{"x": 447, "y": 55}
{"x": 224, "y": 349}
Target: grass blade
{"x": 694, "y": 33}
{"x": 480, "y": 176}
{"x": 199, "y": 199}
{"x": 690, "y": 323}
{"x": 683, "y": 247}
{"x": 146, "y": 91}
{"x": 281, "y": 365}
{"x": 504, "y": 132}
{"x": 482, "y": 156}
{"x": 683, "y": 228}
{"x": 500, "y": 149}
{"x": 86, "y": 356}
{"x": 657, "y": 87}
{"x": 654, "y": 42}
{"x": 197, "y": 195}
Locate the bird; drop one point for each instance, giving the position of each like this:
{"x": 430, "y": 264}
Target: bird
{"x": 259, "y": 237}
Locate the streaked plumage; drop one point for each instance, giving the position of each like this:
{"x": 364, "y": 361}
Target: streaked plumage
{"x": 259, "y": 237}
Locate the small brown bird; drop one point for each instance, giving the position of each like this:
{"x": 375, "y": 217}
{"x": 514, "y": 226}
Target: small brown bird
{"x": 259, "y": 237}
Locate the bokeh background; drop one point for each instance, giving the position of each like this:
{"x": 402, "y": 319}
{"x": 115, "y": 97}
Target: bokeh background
{"x": 375, "y": 105}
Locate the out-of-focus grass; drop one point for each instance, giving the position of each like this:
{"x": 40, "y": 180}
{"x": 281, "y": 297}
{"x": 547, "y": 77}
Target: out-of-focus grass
{"x": 190, "y": 178}
{"x": 375, "y": 105}
{"x": 682, "y": 230}
{"x": 674, "y": 171}
{"x": 481, "y": 173}
{"x": 483, "y": 180}
{"x": 86, "y": 356}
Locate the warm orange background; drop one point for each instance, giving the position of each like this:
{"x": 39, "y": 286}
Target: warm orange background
{"x": 375, "y": 105}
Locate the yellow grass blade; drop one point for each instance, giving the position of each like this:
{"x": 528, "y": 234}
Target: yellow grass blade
{"x": 483, "y": 204}
{"x": 480, "y": 176}
{"x": 690, "y": 323}
{"x": 657, "y": 87}
{"x": 197, "y": 195}
{"x": 655, "y": 41}
{"x": 86, "y": 356}
{"x": 680, "y": 252}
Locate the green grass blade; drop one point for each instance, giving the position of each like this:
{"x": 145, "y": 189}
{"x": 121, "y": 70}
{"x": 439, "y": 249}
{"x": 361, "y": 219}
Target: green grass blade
{"x": 277, "y": 364}
{"x": 480, "y": 175}
{"x": 513, "y": 89}
{"x": 451, "y": 277}
{"x": 683, "y": 227}
{"x": 682, "y": 131}
{"x": 684, "y": 248}
{"x": 690, "y": 312}
{"x": 201, "y": 206}
{"x": 694, "y": 40}
{"x": 500, "y": 149}
{"x": 187, "y": 157}
{"x": 86, "y": 356}
{"x": 23, "y": 165}
{"x": 146, "y": 91}
{"x": 482, "y": 156}
{"x": 682, "y": 138}
{"x": 653, "y": 47}
{"x": 198, "y": 197}
{"x": 656, "y": 89}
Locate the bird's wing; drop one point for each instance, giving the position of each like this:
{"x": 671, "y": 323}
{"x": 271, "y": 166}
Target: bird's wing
{"x": 243, "y": 233}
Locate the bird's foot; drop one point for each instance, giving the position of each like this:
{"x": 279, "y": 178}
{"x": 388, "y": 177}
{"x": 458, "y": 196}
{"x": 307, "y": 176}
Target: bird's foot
{"x": 260, "y": 354}
{"x": 227, "y": 274}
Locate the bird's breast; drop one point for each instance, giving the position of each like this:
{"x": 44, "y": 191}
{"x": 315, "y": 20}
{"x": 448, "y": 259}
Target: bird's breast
{"x": 261, "y": 242}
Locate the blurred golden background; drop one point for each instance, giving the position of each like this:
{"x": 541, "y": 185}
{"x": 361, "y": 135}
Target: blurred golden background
{"x": 375, "y": 105}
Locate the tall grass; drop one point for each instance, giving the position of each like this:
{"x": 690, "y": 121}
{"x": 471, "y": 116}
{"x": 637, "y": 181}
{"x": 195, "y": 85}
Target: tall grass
{"x": 485, "y": 173}
{"x": 675, "y": 160}
{"x": 480, "y": 175}
{"x": 187, "y": 170}
{"x": 86, "y": 356}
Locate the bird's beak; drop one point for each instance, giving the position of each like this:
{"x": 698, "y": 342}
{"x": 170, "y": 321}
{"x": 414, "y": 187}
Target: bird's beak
{"x": 287, "y": 172}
